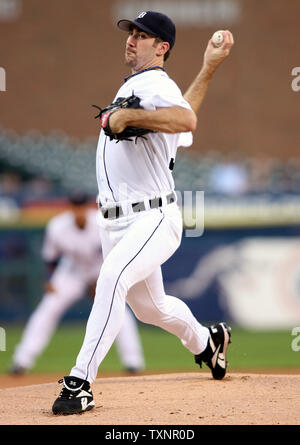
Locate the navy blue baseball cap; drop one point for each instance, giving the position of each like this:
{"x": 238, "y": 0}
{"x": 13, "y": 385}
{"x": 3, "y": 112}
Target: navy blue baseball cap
{"x": 154, "y": 23}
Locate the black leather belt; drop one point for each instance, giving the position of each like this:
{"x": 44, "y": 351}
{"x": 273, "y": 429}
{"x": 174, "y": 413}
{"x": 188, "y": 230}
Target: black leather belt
{"x": 117, "y": 211}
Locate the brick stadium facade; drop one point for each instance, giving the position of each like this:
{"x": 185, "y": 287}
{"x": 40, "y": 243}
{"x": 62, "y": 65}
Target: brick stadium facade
{"x": 62, "y": 56}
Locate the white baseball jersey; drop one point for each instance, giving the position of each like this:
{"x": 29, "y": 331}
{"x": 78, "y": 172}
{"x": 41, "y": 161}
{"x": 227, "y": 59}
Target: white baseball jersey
{"x": 79, "y": 249}
{"x": 129, "y": 171}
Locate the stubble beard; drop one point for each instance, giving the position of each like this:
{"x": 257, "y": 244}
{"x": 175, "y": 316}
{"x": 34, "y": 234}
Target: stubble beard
{"x": 130, "y": 60}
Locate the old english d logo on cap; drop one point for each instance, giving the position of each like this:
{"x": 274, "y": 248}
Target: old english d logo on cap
{"x": 141, "y": 15}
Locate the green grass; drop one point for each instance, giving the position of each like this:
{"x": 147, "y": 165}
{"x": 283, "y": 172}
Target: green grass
{"x": 163, "y": 352}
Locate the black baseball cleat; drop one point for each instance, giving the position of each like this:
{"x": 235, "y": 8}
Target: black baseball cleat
{"x": 17, "y": 370}
{"x": 132, "y": 370}
{"x": 75, "y": 397}
{"x": 214, "y": 356}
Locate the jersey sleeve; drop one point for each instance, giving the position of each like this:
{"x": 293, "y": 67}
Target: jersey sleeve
{"x": 166, "y": 93}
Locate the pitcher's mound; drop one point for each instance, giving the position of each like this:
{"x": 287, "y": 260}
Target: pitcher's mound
{"x": 166, "y": 399}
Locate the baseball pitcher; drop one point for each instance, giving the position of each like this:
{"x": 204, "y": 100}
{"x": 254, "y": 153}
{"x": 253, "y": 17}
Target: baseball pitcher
{"x": 140, "y": 221}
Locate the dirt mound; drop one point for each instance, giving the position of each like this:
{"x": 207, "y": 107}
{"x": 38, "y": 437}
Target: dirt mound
{"x": 165, "y": 399}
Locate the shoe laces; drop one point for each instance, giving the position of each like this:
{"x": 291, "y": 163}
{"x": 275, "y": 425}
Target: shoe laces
{"x": 65, "y": 393}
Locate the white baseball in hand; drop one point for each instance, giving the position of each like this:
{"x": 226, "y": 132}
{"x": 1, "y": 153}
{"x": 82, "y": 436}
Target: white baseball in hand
{"x": 218, "y": 38}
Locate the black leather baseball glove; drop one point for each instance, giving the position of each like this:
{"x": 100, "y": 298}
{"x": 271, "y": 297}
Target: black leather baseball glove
{"x": 129, "y": 132}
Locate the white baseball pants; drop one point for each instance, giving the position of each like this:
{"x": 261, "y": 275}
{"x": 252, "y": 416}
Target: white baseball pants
{"x": 131, "y": 270}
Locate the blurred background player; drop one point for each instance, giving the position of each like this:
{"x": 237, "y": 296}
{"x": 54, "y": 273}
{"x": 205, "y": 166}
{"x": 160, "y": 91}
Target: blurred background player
{"x": 73, "y": 256}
